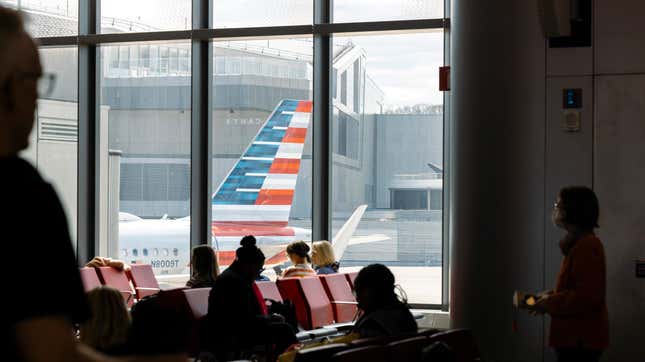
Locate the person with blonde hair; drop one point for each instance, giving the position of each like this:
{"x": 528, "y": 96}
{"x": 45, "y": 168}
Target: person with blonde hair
{"x": 323, "y": 259}
{"x": 107, "y": 329}
{"x": 298, "y": 252}
{"x": 204, "y": 267}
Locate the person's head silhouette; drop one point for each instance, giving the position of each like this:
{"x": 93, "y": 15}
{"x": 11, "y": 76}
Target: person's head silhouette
{"x": 20, "y": 72}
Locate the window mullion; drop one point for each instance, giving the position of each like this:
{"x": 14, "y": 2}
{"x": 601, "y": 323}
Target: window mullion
{"x": 321, "y": 180}
{"x": 88, "y": 135}
{"x": 201, "y": 126}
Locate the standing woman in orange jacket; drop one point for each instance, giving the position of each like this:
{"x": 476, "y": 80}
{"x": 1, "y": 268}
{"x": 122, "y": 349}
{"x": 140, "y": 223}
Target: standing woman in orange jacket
{"x": 577, "y": 306}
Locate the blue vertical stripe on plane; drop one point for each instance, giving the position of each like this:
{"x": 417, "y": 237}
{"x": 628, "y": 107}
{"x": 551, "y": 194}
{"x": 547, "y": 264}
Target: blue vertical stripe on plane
{"x": 262, "y": 151}
{"x": 235, "y": 198}
{"x": 254, "y": 166}
{"x": 279, "y": 120}
{"x": 271, "y": 135}
{"x": 288, "y": 106}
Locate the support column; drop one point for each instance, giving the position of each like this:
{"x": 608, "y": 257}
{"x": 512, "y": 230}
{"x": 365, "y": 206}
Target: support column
{"x": 498, "y": 173}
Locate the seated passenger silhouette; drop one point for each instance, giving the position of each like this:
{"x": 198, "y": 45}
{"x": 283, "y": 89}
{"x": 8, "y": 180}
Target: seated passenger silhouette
{"x": 384, "y": 312}
{"x": 298, "y": 252}
{"x": 204, "y": 267}
{"x": 107, "y": 329}
{"x": 237, "y": 317}
{"x": 323, "y": 259}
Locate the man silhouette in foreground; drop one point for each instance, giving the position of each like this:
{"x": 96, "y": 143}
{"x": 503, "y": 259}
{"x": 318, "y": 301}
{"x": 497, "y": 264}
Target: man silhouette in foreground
{"x": 43, "y": 294}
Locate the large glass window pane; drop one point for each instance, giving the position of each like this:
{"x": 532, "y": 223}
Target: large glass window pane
{"x": 127, "y": 16}
{"x": 254, "y": 13}
{"x": 348, "y": 11}
{"x": 48, "y": 18}
{"x": 262, "y": 143}
{"x": 387, "y": 135}
{"x": 145, "y": 156}
{"x": 53, "y": 146}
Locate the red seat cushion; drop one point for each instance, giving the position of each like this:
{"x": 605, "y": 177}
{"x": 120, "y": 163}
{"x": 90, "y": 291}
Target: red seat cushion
{"x": 143, "y": 279}
{"x": 269, "y": 290}
{"x": 340, "y": 293}
{"x": 90, "y": 278}
{"x": 351, "y": 277}
{"x": 117, "y": 279}
{"x": 290, "y": 289}
{"x": 317, "y": 302}
{"x": 260, "y": 298}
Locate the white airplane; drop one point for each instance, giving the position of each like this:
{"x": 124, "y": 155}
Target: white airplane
{"x": 254, "y": 199}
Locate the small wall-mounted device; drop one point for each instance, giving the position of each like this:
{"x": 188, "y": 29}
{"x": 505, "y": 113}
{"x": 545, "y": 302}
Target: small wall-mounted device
{"x": 640, "y": 268}
{"x": 444, "y": 79}
{"x": 572, "y": 98}
{"x": 572, "y": 105}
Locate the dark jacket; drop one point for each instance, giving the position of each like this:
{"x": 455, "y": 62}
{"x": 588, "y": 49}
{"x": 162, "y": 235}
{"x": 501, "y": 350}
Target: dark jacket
{"x": 394, "y": 320}
{"x": 233, "y": 309}
{"x": 578, "y": 306}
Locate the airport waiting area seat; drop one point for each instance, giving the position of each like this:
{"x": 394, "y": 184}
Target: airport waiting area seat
{"x": 362, "y": 354}
{"x": 270, "y": 291}
{"x": 340, "y": 294}
{"x": 409, "y": 348}
{"x": 351, "y": 277}
{"x": 313, "y": 307}
{"x": 89, "y": 278}
{"x": 118, "y": 280}
{"x": 143, "y": 279}
{"x": 461, "y": 341}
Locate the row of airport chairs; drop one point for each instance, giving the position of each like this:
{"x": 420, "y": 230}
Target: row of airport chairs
{"x": 135, "y": 283}
{"x": 319, "y": 301}
{"x": 322, "y": 303}
{"x": 393, "y": 349}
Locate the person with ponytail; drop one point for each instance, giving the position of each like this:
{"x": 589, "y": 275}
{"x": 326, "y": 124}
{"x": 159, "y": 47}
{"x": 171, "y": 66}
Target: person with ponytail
{"x": 298, "y": 252}
{"x": 385, "y": 313}
{"x": 237, "y": 320}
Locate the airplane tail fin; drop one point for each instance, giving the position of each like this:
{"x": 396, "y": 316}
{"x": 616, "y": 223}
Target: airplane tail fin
{"x": 259, "y": 189}
{"x": 343, "y": 236}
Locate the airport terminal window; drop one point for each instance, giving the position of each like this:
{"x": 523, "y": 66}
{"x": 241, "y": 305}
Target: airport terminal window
{"x": 144, "y": 53}
{"x": 262, "y": 142}
{"x": 348, "y": 11}
{"x": 127, "y": 16}
{"x": 146, "y": 127}
{"x": 400, "y": 132}
{"x": 53, "y": 144}
{"x": 256, "y": 13}
{"x": 347, "y": 135}
{"x": 48, "y": 18}
{"x": 386, "y": 127}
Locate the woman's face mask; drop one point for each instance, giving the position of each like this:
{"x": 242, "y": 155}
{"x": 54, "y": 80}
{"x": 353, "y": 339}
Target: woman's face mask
{"x": 558, "y": 214}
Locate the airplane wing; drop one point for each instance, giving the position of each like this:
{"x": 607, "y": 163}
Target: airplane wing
{"x": 344, "y": 235}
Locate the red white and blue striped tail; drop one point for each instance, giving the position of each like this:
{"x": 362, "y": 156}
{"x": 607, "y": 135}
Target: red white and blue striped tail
{"x": 256, "y": 196}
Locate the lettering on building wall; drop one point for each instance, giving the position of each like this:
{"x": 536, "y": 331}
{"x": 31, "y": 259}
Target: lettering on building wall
{"x": 243, "y": 121}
